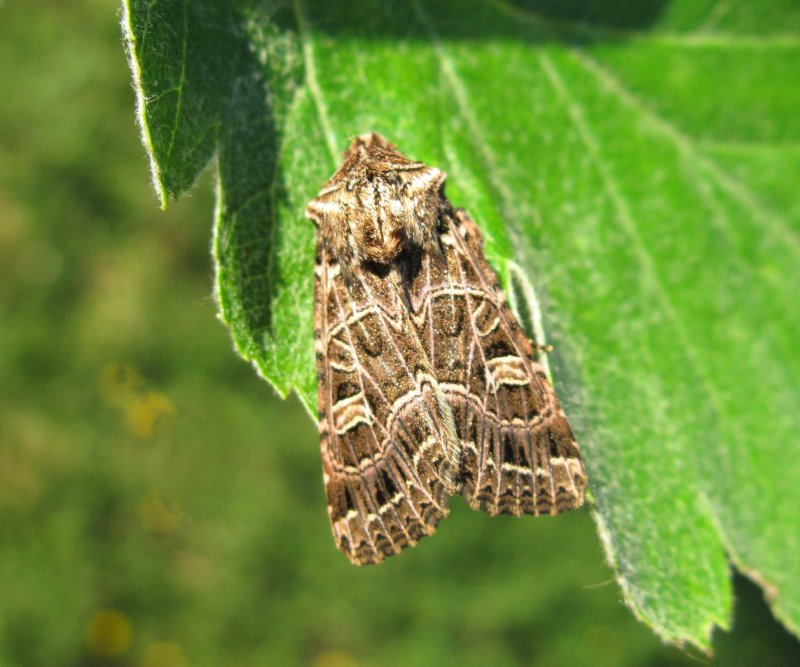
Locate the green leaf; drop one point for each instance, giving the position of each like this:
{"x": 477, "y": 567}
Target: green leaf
{"x": 639, "y": 161}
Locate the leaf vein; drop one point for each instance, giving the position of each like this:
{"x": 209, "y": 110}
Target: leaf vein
{"x": 180, "y": 84}
{"x": 313, "y": 83}
{"x": 625, "y": 218}
{"x": 730, "y": 184}
{"x": 460, "y": 95}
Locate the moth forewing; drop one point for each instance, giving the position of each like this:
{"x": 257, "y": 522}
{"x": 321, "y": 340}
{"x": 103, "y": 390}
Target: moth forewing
{"x": 518, "y": 452}
{"x": 389, "y": 449}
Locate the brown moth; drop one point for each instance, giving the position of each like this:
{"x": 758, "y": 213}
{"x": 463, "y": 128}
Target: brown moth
{"x": 428, "y": 386}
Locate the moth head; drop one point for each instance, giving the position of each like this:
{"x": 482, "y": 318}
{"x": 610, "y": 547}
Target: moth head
{"x": 378, "y": 204}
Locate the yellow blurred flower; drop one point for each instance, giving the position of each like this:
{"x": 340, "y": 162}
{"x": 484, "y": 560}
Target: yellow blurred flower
{"x": 146, "y": 410}
{"x": 164, "y": 654}
{"x": 108, "y": 633}
{"x": 121, "y": 385}
{"x": 334, "y": 659}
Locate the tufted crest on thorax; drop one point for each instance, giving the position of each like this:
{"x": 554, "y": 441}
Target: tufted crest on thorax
{"x": 378, "y": 204}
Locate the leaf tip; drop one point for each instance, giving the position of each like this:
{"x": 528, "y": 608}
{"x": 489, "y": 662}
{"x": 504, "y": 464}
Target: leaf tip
{"x": 698, "y": 636}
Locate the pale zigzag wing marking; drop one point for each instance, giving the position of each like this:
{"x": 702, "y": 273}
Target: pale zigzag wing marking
{"x": 387, "y": 434}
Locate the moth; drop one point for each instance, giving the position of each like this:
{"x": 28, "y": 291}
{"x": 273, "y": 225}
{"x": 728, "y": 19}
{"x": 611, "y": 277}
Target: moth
{"x": 428, "y": 386}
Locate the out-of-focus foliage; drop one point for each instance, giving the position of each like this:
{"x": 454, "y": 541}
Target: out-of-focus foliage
{"x": 158, "y": 506}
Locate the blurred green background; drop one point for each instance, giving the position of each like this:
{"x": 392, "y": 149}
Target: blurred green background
{"x": 159, "y": 506}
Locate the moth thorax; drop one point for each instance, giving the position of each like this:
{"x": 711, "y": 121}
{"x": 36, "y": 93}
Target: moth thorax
{"x": 385, "y": 234}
